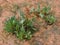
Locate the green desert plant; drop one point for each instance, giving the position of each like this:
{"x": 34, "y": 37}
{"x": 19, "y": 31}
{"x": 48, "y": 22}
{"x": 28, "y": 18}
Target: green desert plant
{"x": 10, "y": 24}
{"x": 50, "y": 19}
{"x": 46, "y": 10}
{"x": 47, "y": 15}
{"x": 26, "y": 30}
{"x": 44, "y": 13}
{"x": 27, "y": 26}
{"x": 23, "y": 28}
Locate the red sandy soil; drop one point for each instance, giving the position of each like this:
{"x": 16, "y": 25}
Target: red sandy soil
{"x": 49, "y": 36}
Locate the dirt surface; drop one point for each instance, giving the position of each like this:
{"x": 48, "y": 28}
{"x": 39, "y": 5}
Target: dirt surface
{"x": 49, "y": 36}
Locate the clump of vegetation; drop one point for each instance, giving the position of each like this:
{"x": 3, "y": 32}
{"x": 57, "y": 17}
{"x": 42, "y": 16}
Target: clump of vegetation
{"x": 10, "y": 24}
{"x": 23, "y": 28}
{"x": 50, "y": 19}
{"x": 47, "y": 15}
{"x": 44, "y": 13}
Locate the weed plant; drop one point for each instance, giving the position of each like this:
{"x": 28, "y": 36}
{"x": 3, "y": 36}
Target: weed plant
{"x": 44, "y": 13}
{"x": 23, "y": 28}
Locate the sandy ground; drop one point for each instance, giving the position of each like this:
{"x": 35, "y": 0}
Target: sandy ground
{"x": 49, "y": 36}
